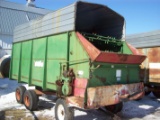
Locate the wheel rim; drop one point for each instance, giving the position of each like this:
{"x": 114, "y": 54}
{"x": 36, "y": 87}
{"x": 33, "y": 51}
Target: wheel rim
{"x": 18, "y": 95}
{"x": 60, "y": 112}
{"x": 27, "y": 101}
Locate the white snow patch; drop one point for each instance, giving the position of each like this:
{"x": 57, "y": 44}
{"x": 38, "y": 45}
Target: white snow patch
{"x": 28, "y": 115}
{"x": 9, "y": 117}
{"x": 79, "y": 112}
{"x": 8, "y": 98}
{"x": 145, "y": 106}
{"x": 49, "y": 112}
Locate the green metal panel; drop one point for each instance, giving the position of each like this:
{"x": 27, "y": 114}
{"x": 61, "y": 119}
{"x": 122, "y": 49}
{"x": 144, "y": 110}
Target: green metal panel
{"x": 42, "y": 60}
{"x": 57, "y": 53}
{"x": 15, "y": 61}
{"x": 38, "y": 61}
{"x": 110, "y": 74}
{"x": 125, "y": 48}
{"x": 79, "y": 60}
{"x": 134, "y": 74}
{"x": 25, "y": 61}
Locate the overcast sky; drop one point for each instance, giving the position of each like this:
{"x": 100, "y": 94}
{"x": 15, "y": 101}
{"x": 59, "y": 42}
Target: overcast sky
{"x": 141, "y": 15}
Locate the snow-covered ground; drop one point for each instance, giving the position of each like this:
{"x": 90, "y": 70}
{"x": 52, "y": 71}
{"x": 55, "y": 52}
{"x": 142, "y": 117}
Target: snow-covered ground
{"x": 147, "y": 108}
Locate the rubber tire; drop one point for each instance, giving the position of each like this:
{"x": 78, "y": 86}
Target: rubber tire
{"x": 5, "y": 67}
{"x": 19, "y": 94}
{"x": 115, "y": 108}
{"x": 147, "y": 93}
{"x": 68, "y": 112}
{"x": 30, "y": 100}
{"x": 156, "y": 94}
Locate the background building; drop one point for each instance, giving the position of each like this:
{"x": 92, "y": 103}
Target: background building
{"x": 144, "y": 40}
{"x": 13, "y": 14}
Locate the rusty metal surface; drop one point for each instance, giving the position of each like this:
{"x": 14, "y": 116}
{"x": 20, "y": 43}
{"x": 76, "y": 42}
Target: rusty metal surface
{"x": 109, "y": 95}
{"x": 76, "y": 101}
{"x": 120, "y": 58}
{"x": 151, "y": 66}
{"x": 79, "y": 87}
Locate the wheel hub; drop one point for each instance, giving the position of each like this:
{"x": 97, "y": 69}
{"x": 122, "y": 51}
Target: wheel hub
{"x": 61, "y": 112}
{"x": 26, "y": 101}
{"x": 18, "y": 94}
